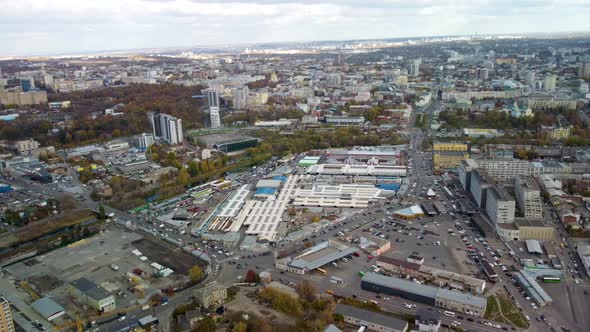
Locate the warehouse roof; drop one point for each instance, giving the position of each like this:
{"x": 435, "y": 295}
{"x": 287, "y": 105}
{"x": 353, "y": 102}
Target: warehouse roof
{"x": 46, "y": 307}
{"x": 423, "y": 290}
{"x": 371, "y": 316}
{"x": 534, "y": 247}
{"x": 90, "y": 289}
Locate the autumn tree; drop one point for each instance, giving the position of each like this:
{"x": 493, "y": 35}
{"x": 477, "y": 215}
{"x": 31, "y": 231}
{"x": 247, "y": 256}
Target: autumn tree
{"x": 306, "y": 291}
{"x": 195, "y": 273}
{"x": 252, "y": 276}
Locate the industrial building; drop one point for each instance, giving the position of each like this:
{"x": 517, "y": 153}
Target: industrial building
{"x": 357, "y": 170}
{"x": 48, "y": 309}
{"x": 227, "y": 142}
{"x": 442, "y": 278}
{"x": 87, "y": 292}
{"x": 338, "y": 196}
{"x": 448, "y": 155}
{"x": 439, "y": 297}
{"x": 532, "y": 288}
{"x": 371, "y": 320}
{"x": 315, "y": 257}
{"x": 383, "y": 154}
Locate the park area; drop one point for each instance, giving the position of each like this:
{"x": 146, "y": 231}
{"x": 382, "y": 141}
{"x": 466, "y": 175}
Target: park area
{"x": 501, "y": 309}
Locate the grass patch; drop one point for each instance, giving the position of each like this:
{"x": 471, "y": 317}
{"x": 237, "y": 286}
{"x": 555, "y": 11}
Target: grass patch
{"x": 512, "y": 313}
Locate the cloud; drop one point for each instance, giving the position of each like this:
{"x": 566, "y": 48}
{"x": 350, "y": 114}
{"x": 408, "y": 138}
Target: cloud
{"x": 83, "y": 25}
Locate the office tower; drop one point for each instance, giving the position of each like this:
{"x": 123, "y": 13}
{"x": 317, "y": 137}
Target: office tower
{"x": 484, "y": 74}
{"x": 167, "y": 128}
{"x": 415, "y": 67}
{"x": 550, "y": 82}
{"x": 530, "y": 79}
{"x": 583, "y": 70}
{"x": 240, "y": 97}
{"x": 213, "y": 98}
{"x": 338, "y": 58}
{"x": 27, "y": 84}
{"x": 6, "y": 323}
{"x": 214, "y": 116}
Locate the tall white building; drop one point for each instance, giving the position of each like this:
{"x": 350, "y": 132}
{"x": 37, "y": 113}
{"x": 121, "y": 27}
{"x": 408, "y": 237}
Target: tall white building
{"x": 528, "y": 197}
{"x": 214, "y": 115}
{"x": 415, "y": 67}
{"x": 144, "y": 141}
{"x": 167, "y": 128}
{"x": 213, "y": 98}
{"x": 240, "y": 97}
{"x": 550, "y": 82}
{"x": 500, "y": 207}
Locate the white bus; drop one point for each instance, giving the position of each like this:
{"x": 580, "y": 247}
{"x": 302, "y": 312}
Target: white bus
{"x": 449, "y": 313}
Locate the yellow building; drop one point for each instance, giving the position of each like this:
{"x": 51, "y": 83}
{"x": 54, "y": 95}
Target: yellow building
{"x": 448, "y": 155}
{"x": 6, "y": 323}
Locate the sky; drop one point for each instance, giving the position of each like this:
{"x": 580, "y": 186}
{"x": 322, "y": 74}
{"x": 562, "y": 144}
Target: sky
{"x": 43, "y": 27}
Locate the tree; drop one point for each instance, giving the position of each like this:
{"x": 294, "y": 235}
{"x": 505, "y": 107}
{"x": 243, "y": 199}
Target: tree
{"x": 252, "y": 276}
{"x": 183, "y": 177}
{"x": 193, "y": 168}
{"x": 306, "y": 291}
{"x": 240, "y": 327}
{"x": 195, "y": 273}
{"x": 206, "y": 324}
{"x": 101, "y": 213}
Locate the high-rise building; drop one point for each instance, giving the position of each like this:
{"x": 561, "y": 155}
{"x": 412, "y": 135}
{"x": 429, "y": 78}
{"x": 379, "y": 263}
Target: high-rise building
{"x": 528, "y": 196}
{"x": 27, "y": 84}
{"x": 500, "y": 206}
{"x": 484, "y": 74}
{"x": 240, "y": 97}
{"x": 214, "y": 116}
{"x": 6, "y": 322}
{"x": 213, "y": 98}
{"x": 144, "y": 141}
{"x": 550, "y": 82}
{"x": 415, "y": 67}
{"x": 530, "y": 79}
{"x": 584, "y": 70}
{"x": 167, "y": 128}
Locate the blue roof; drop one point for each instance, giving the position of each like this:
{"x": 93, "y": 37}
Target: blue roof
{"x": 265, "y": 191}
{"x": 280, "y": 178}
{"x": 388, "y": 186}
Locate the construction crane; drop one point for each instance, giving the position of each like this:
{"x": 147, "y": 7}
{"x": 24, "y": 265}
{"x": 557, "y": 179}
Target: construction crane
{"x": 25, "y": 285}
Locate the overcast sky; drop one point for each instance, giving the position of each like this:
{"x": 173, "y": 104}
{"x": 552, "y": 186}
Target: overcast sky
{"x": 62, "y": 26}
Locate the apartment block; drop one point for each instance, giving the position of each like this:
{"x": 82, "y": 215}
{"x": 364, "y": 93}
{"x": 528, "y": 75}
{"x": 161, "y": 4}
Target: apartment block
{"x": 528, "y": 197}
{"x": 6, "y": 323}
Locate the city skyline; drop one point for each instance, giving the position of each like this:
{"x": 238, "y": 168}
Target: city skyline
{"x": 36, "y": 28}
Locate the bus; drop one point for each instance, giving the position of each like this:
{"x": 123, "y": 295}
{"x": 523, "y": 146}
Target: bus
{"x": 323, "y": 272}
{"x": 551, "y": 279}
{"x": 449, "y": 193}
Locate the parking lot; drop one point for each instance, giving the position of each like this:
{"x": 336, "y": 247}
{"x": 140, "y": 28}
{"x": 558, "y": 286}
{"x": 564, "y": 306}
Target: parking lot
{"x": 105, "y": 259}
